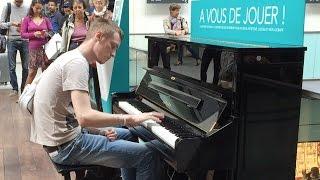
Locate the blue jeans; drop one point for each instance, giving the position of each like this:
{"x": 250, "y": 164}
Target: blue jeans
{"x": 22, "y": 46}
{"x": 137, "y": 160}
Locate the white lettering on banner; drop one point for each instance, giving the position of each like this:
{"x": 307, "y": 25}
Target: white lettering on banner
{"x": 213, "y": 15}
{"x": 265, "y": 15}
{"x": 234, "y": 14}
{"x": 202, "y": 20}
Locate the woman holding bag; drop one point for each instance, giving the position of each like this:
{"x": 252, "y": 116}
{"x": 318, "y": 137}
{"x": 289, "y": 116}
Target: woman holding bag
{"x": 36, "y": 28}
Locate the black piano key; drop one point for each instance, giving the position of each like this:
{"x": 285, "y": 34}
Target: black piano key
{"x": 169, "y": 123}
{"x": 140, "y": 106}
{"x": 176, "y": 128}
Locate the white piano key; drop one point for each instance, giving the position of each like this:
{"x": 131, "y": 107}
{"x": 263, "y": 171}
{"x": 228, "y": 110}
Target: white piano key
{"x": 164, "y": 134}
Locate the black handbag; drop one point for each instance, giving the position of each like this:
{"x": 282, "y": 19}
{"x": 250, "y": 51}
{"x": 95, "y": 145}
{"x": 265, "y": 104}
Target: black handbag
{"x": 3, "y": 44}
{"x": 7, "y": 19}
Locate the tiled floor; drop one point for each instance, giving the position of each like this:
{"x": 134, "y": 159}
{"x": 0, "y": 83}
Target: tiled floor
{"x": 19, "y": 158}
{"x": 312, "y": 85}
{"x": 19, "y": 77}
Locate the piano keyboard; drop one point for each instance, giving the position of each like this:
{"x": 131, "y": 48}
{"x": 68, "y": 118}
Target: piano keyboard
{"x": 164, "y": 134}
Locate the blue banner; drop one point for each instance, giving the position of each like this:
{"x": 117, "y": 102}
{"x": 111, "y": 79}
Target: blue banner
{"x": 254, "y": 21}
{"x": 114, "y": 74}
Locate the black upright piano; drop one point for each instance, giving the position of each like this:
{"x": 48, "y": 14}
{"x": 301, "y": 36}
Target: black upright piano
{"x": 244, "y": 128}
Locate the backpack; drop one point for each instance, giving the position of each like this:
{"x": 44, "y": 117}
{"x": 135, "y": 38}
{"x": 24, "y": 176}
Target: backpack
{"x": 26, "y": 98}
{"x": 3, "y": 32}
{"x": 3, "y": 44}
{"x": 7, "y": 19}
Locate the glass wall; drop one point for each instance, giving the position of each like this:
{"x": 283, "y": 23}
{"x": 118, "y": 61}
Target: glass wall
{"x": 137, "y": 65}
{"x": 308, "y": 152}
{"x": 138, "y": 55}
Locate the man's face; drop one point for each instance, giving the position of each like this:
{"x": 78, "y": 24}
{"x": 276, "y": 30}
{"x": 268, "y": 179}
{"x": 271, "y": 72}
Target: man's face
{"x": 18, "y": 2}
{"x": 99, "y": 4}
{"x": 67, "y": 11}
{"x": 106, "y": 47}
{"x": 52, "y": 7}
{"x": 175, "y": 13}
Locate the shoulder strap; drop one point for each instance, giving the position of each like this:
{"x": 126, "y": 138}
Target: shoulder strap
{"x": 8, "y": 12}
{"x": 181, "y": 21}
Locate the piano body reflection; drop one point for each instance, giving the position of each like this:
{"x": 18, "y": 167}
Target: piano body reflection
{"x": 246, "y": 130}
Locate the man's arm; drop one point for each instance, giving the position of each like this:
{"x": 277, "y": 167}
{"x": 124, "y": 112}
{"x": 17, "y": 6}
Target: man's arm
{"x": 88, "y": 117}
{"x": 55, "y": 25}
{"x": 60, "y": 20}
{"x": 3, "y": 24}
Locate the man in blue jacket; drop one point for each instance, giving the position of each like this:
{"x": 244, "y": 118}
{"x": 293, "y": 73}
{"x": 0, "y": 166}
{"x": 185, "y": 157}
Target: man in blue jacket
{"x": 55, "y": 16}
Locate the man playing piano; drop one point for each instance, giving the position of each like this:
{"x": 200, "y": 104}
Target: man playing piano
{"x": 61, "y": 111}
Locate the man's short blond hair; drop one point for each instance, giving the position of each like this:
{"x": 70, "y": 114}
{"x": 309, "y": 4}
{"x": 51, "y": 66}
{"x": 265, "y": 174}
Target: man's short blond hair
{"x": 105, "y": 26}
{"x": 174, "y": 7}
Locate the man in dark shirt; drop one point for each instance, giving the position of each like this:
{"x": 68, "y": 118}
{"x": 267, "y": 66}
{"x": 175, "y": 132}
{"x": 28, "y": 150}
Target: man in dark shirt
{"x": 55, "y": 16}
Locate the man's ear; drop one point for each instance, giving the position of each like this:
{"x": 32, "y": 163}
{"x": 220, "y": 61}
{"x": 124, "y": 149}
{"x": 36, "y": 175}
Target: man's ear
{"x": 98, "y": 36}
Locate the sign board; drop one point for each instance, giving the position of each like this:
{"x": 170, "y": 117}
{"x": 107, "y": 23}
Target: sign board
{"x": 255, "y": 21}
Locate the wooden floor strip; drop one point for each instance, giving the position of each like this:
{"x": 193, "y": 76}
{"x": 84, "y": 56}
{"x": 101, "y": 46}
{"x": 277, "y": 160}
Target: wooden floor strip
{"x": 11, "y": 163}
{"x": 1, "y": 165}
{"x": 19, "y": 158}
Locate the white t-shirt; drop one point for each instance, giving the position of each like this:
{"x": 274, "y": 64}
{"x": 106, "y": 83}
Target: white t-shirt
{"x": 54, "y": 123}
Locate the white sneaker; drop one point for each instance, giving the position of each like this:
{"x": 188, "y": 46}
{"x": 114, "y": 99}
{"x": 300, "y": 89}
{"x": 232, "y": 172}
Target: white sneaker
{"x": 13, "y": 93}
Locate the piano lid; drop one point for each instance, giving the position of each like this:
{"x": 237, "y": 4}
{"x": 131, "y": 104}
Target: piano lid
{"x": 191, "y": 103}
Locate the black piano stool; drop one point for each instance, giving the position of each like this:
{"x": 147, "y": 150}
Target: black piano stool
{"x": 65, "y": 170}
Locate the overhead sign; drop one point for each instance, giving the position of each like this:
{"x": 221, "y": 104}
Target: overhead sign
{"x": 261, "y": 21}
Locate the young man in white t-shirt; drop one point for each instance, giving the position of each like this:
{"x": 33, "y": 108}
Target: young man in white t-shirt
{"x": 62, "y": 107}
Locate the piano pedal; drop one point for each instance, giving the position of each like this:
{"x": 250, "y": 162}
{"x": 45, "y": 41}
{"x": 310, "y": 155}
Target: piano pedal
{"x": 170, "y": 175}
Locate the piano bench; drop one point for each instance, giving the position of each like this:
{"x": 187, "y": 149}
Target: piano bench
{"x": 80, "y": 170}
